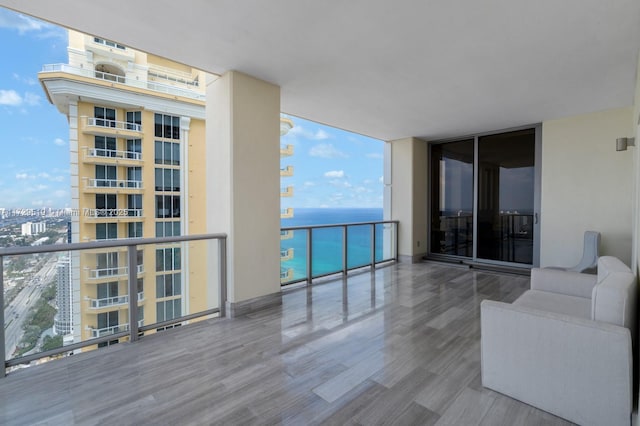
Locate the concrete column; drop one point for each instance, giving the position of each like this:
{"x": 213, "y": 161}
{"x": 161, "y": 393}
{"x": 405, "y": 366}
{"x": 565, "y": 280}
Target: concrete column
{"x": 406, "y": 192}
{"x": 243, "y": 185}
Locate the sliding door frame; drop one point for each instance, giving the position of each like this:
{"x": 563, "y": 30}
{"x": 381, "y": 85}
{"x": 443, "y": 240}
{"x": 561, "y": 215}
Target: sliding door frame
{"x": 536, "y": 199}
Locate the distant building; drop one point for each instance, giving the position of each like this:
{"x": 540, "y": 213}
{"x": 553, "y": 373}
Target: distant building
{"x": 33, "y": 228}
{"x": 63, "y": 321}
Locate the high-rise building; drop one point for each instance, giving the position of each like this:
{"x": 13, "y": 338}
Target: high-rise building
{"x": 63, "y": 321}
{"x": 286, "y": 253}
{"x": 33, "y": 228}
{"x": 136, "y": 137}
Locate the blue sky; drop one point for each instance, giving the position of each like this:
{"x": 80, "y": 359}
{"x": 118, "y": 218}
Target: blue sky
{"x": 332, "y": 168}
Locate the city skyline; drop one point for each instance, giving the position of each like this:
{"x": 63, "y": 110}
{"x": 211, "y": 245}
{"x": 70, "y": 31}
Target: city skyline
{"x": 333, "y": 167}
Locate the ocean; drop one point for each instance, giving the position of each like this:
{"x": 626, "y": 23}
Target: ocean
{"x": 327, "y": 243}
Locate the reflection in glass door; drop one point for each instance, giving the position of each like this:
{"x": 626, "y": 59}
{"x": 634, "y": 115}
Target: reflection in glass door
{"x": 452, "y": 198}
{"x": 483, "y": 197}
{"x": 506, "y": 166}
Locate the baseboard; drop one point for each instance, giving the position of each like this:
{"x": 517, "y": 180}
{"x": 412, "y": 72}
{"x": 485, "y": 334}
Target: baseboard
{"x": 405, "y": 258}
{"x": 244, "y": 307}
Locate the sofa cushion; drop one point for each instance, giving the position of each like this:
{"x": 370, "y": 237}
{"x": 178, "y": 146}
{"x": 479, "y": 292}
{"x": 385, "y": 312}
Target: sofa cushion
{"x": 558, "y": 303}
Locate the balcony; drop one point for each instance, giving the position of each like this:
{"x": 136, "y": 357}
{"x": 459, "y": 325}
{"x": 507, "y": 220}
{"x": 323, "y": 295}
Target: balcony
{"x": 113, "y": 186}
{"x": 111, "y": 214}
{"x": 107, "y": 331}
{"x": 112, "y": 128}
{"x": 286, "y": 274}
{"x": 286, "y": 235}
{"x": 286, "y": 191}
{"x": 108, "y": 302}
{"x": 286, "y": 151}
{"x": 286, "y": 255}
{"x": 108, "y": 156}
{"x": 286, "y": 171}
{"x": 286, "y": 213}
{"x": 112, "y": 78}
{"x": 400, "y": 345}
{"x": 115, "y": 272}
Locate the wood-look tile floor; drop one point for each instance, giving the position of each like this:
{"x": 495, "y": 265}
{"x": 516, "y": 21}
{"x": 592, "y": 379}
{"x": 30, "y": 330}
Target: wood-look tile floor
{"x": 398, "y": 346}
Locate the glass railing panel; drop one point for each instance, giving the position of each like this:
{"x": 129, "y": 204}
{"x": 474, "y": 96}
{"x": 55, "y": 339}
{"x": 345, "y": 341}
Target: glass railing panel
{"x": 386, "y": 237}
{"x": 358, "y": 246}
{"x": 293, "y": 267}
{"x": 327, "y": 251}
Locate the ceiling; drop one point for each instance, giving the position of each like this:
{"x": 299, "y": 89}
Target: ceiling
{"x": 391, "y": 69}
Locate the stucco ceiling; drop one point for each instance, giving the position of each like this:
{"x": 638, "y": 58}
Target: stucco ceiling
{"x": 426, "y": 68}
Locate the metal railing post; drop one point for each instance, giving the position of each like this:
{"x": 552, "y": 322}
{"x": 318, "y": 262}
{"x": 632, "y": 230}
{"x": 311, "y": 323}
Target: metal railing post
{"x": 222, "y": 268}
{"x": 2, "y": 336}
{"x": 373, "y": 246}
{"x": 133, "y": 292}
{"x": 309, "y": 255}
{"x": 395, "y": 235}
{"x": 344, "y": 250}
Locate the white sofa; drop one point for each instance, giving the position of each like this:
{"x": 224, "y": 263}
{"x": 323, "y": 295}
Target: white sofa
{"x": 565, "y": 346}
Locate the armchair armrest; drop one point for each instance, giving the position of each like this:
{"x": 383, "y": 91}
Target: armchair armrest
{"x": 578, "y": 369}
{"x": 563, "y": 282}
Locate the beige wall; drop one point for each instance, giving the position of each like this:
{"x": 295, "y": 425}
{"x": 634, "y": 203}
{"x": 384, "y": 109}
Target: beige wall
{"x": 586, "y": 185}
{"x": 408, "y": 183}
{"x": 243, "y": 180}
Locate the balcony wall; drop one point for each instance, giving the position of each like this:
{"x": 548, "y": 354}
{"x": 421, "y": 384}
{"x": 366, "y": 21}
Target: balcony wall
{"x": 586, "y": 185}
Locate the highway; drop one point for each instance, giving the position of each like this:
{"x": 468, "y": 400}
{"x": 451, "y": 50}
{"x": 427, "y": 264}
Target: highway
{"x": 16, "y": 312}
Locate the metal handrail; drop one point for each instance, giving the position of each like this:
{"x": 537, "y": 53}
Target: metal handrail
{"x": 134, "y": 326}
{"x": 345, "y": 252}
{"x": 113, "y": 153}
{"x": 112, "y": 124}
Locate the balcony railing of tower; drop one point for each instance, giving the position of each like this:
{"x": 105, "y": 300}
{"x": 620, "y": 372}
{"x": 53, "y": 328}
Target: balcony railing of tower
{"x": 113, "y": 124}
{"x": 112, "y": 153}
{"x": 131, "y": 326}
{"x": 323, "y": 250}
{"x": 114, "y": 183}
{"x": 150, "y": 85}
{"x": 113, "y": 272}
{"x": 112, "y": 213}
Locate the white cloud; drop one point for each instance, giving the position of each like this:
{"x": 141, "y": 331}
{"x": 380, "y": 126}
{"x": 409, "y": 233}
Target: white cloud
{"x": 321, "y": 135}
{"x": 60, "y": 193}
{"x": 324, "y": 150}
{"x": 13, "y": 98}
{"x": 381, "y": 179}
{"x": 26, "y": 80}
{"x": 37, "y": 203}
{"x": 374, "y": 155}
{"x": 22, "y": 176}
{"x": 334, "y": 174}
{"x": 309, "y": 183}
{"x": 10, "y": 97}
{"x": 59, "y": 142}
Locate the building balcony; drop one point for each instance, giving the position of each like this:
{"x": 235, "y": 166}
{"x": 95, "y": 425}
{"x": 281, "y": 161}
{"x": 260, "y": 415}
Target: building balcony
{"x": 51, "y": 70}
{"x": 108, "y": 156}
{"x": 111, "y": 214}
{"x": 114, "y": 272}
{"x": 107, "y": 331}
{"x": 286, "y": 124}
{"x": 113, "y": 186}
{"x": 112, "y": 301}
{"x": 286, "y": 235}
{"x": 286, "y": 171}
{"x": 286, "y": 274}
{"x": 286, "y": 254}
{"x": 369, "y": 338}
{"x": 110, "y": 128}
{"x": 286, "y": 213}
{"x": 286, "y": 150}
{"x": 286, "y": 191}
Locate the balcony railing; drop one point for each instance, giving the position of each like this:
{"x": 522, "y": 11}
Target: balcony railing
{"x": 108, "y": 301}
{"x": 286, "y": 213}
{"x": 286, "y": 191}
{"x": 150, "y": 85}
{"x": 111, "y": 213}
{"x": 114, "y": 183}
{"x": 112, "y": 153}
{"x": 113, "y": 124}
{"x": 132, "y": 328}
{"x": 286, "y": 254}
{"x": 115, "y": 272}
{"x": 286, "y": 171}
{"x": 286, "y": 150}
{"x": 286, "y": 235}
{"x": 108, "y": 331}
{"x": 323, "y": 250}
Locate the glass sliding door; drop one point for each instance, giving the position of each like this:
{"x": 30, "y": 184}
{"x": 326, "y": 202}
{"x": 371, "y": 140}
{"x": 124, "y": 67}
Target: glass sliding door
{"x": 483, "y": 197}
{"x": 506, "y": 171}
{"x": 452, "y": 198}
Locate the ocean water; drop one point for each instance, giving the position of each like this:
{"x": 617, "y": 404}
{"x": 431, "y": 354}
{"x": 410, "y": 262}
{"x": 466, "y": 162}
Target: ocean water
{"x": 327, "y": 242}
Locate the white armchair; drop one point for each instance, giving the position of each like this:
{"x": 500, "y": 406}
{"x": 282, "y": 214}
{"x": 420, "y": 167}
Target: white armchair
{"x": 565, "y": 346}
